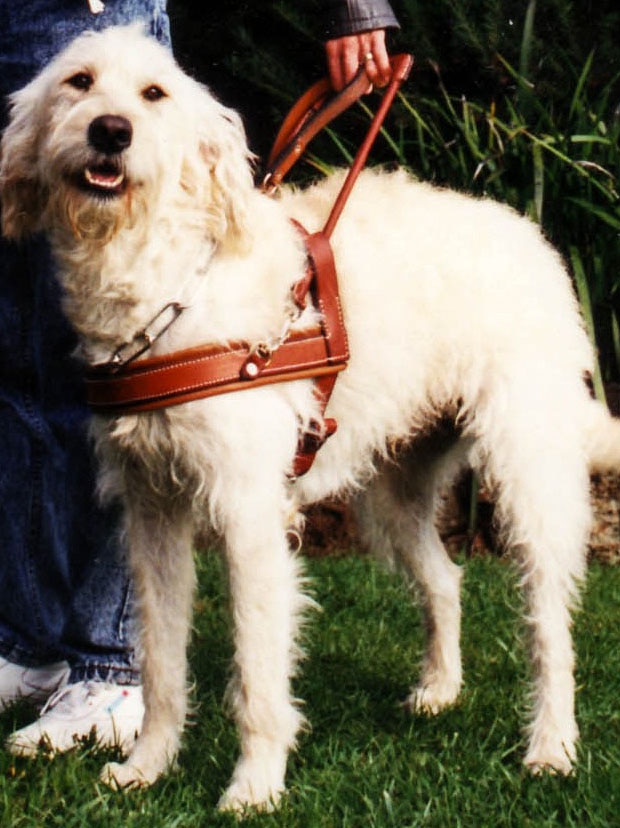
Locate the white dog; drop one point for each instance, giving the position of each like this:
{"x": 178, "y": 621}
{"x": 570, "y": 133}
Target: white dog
{"x": 456, "y": 309}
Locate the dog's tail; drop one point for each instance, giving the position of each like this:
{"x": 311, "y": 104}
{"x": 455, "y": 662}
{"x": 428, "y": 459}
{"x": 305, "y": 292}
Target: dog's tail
{"x": 603, "y": 439}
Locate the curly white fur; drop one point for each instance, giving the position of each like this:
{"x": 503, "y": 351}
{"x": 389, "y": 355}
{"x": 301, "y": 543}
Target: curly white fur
{"x": 455, "y": 308}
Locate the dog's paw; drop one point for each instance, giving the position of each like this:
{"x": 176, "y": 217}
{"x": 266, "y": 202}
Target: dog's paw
{"x": 552, "y": 749}
{"x": 240, "y": 797}
{"x": 551, "y": 765}
{"x": 432, "y": 698}
{"x": 119, "y": 775}
{"x": 237, "y": 801}
{"x": 549, "y": 761}
{"x": 254, "y": 785}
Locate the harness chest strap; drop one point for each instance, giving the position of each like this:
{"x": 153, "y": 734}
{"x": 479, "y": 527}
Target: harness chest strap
{"x": 206, "y": 371}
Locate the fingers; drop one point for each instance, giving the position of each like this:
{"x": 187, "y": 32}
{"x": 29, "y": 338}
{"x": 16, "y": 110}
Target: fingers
{"x": 343, "y": 58}
{"x": 378, "y": 67}
{"x": 346, "y": 54}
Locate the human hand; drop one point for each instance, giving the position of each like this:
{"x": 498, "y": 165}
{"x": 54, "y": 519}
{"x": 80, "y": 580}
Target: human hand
{"x": 346, "y": 54}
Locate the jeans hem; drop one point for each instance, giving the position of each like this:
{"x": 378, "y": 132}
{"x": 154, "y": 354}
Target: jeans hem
{"x": 106, "y": 673}
{"x": 115, "y": 672}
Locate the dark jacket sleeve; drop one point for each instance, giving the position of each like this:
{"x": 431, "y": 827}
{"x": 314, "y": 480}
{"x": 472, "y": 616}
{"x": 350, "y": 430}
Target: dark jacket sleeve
{"x": 345, "y": 17}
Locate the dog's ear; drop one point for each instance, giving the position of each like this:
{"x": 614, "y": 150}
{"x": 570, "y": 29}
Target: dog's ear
{"x": 21, "y": 193}
{"x": 227, "y": 162}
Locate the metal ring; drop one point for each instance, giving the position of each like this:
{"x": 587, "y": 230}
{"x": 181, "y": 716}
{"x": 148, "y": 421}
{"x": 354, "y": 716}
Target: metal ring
{"x": 294, "y": 539}
{"x": 368, "y": 56}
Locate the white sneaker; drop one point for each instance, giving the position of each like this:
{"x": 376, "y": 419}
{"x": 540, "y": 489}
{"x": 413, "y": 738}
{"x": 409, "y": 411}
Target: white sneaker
{"x": 34, "y": 683}
{"x": 112, "y": 712}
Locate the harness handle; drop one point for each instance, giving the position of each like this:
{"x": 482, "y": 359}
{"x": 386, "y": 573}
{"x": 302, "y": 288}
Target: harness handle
{"x": 316, "y": 108}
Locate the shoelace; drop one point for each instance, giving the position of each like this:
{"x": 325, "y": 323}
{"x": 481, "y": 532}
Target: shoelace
{"x": 85, "y": 689}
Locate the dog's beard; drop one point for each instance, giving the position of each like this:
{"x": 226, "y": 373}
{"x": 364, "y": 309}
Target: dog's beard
{"x": 92, "y": 218}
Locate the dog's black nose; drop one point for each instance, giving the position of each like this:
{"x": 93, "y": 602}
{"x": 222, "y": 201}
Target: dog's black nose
{"x": 110, "y": 134}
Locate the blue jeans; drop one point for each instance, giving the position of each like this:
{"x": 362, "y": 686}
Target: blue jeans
{"x": 64, "y": 590}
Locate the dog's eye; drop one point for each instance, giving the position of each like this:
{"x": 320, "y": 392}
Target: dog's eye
{"x": 153, "y": 93}
{"x": 81, "y": 80}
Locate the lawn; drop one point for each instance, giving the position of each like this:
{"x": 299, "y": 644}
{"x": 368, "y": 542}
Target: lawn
{"x": 366, "y": 762}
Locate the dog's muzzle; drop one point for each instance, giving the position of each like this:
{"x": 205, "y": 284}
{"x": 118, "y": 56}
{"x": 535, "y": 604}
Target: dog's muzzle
{"x": 109, "y": 136}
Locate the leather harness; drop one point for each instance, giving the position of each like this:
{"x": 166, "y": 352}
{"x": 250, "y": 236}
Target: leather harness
{"x": 124, "y": 386}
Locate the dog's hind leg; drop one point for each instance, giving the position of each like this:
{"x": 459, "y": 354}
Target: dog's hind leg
{"x": 160, "y": 556}
{"x": 538, "y": 465}
{"x": 397, "y": 517}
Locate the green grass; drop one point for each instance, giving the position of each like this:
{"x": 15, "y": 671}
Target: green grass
{"x": 366, "y": 762}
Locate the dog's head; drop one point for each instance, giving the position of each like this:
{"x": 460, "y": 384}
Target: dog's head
{"x": 111, "y": 127}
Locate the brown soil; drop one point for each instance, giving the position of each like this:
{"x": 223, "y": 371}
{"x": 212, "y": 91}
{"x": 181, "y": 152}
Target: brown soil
{"x": 330, "y": 527}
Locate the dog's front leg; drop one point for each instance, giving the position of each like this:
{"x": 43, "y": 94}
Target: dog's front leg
{"x": 266, "y": 605}
{"x": 160, "y": 554}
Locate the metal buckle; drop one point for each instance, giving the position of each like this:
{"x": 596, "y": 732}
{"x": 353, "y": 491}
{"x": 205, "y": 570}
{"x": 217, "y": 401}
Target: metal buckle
{"x": 143, "y": 339}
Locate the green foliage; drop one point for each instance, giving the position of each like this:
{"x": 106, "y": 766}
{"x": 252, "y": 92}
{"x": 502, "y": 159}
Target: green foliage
{"x": 366, "y": 761}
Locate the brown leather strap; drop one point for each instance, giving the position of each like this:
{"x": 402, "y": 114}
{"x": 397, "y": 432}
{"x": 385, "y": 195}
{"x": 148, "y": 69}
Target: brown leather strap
{"x": 310, "y": 114}
{"x": 325, "y": 291}
{"x": 202, "y": 372}
{"x": 300, "y": 114}
{"x": 401, "y": 66}
{"x": 315, "y": 109}
{"x": 311, "y": 440}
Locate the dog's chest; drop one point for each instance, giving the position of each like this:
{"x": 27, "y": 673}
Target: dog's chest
{"x": 154, "y": 455}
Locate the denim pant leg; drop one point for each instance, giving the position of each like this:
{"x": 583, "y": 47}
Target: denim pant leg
{"x": 64, "y": 590}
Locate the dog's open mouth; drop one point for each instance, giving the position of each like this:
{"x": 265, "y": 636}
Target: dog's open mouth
{"x": 106, "y": 179}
